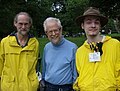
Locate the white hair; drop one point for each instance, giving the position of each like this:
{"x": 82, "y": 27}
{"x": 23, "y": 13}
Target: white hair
{"x": 51, "y": 19}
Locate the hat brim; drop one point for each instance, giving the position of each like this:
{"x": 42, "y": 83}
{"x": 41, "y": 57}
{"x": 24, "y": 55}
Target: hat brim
{"x": 80, "y": 19}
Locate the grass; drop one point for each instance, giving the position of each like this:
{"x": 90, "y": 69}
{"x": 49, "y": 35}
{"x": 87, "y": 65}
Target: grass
{"x": 77, "y": 40}
{"x": 115, "y": 35}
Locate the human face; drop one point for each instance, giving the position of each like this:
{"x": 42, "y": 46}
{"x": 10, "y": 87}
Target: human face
{"x": 91, "y": 25}
{"x": 54, "y": 32}
{"x": 23, "y": 25}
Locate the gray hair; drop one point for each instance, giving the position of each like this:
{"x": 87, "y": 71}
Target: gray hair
{"x": 51, "y": 19}
{"x": 23, "y": 13}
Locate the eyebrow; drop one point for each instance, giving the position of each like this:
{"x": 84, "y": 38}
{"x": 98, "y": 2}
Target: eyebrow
{"x": 97, "y": 19}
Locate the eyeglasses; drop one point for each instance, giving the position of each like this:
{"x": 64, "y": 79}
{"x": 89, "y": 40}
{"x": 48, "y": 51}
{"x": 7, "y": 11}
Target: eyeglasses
{"x": 51, "y": 31}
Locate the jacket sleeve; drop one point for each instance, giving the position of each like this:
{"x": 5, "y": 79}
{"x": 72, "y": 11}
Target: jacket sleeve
{"x": 1, "y": 60}
{"x": 36, "y": 53}
{"x": 118, "y": 67}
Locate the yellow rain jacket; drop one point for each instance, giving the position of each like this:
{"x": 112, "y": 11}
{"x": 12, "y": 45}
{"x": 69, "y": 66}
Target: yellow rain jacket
{"x": 18, "y": 65}
{"x": 0, "y": 70}
{"x": 99, "y": 76}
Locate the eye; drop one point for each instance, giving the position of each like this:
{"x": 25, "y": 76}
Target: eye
{"x": 51, "y": 31}
{"x": 56, "y": 30}
{"x": 97, "y": 22}
{"x": 88, "y": 22}
{"x": 20, "y": 24}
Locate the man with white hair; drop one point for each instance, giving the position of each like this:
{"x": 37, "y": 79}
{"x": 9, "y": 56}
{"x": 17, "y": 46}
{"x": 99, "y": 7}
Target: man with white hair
{"x": 58, "y": 62}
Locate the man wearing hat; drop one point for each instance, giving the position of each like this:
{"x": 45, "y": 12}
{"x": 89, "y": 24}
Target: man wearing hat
{"x": 98, "y": 59}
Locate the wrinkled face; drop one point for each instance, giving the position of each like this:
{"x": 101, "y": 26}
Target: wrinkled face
{"x": 23, "y": 24}
{"x": 91, "y": 25}
{"x": 54, "y": 32}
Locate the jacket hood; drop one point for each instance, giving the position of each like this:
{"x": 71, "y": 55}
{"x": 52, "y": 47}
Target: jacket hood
{"x": 88, "y": 46}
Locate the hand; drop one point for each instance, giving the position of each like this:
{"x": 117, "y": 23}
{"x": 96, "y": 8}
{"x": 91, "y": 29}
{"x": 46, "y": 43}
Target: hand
{"x": 41, "y": 85}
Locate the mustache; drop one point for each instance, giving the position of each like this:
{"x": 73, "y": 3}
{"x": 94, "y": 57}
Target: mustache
{"x": 20, "y": 32}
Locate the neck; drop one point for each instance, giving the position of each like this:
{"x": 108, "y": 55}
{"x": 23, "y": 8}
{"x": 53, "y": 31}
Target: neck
{"x": 94, "y": 39}
{"x": 22, "y": 39}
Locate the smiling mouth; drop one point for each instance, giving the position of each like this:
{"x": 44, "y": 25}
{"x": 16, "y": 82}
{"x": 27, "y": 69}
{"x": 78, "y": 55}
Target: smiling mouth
{"x": 93, "y": 30}
{"x": 54, "y": 36}
{"x": 23, "y": 30}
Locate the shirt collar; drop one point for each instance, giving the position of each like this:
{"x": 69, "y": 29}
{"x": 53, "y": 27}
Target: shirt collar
{"x": 61, "y": 42}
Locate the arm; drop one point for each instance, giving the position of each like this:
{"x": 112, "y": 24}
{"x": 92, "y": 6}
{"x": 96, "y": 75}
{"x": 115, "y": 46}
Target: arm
{"x": 35, "y": 60}
{"x": 43, "y": 65}
{"x": 118, "y": 67}
{"x": 1, "y": 60}
{"x": 42, "y": 81}
{"x": 75, "y": 85}
{"x": 74, "y": 71}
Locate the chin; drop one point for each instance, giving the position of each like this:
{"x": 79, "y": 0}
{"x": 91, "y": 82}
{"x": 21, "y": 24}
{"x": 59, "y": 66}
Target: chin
{"x": 24, "y": 33}
{"x": 92, "y": 34}
{"x": 55, "y": 42}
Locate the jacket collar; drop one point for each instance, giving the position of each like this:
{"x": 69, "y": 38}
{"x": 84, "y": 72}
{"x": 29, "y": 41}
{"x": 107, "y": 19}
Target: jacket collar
{"x": 104, "y": 40}
{"x": 16, "y": 42}
{"x": 29, "y": 34}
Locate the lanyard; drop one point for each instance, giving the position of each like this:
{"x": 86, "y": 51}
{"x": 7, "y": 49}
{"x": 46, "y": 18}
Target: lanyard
{"x": 96, "y": 47}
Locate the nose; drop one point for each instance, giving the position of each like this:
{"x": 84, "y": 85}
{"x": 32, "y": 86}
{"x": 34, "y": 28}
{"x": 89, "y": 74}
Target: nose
{"x": 23, "y": 26}
{"x": 93, "y": 24}
{"x": 53, "y": 32}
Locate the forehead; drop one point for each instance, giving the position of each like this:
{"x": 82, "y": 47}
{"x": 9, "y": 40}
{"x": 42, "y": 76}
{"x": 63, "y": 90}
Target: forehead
{"x": 52, "y": 24}
{"x": 23, "y": 18}
{"x": 91, "y": 18}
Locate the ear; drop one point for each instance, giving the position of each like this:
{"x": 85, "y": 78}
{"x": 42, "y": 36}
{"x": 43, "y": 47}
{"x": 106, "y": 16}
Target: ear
{"x": 82, "y": 25}
{"x": 14, "y": 23}
{"x": 45, "y": 31}
{"x": 61, "y": 28}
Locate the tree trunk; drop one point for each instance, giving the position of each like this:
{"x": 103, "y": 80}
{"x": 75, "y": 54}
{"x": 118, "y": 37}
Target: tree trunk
{"x": 117, "y": 25}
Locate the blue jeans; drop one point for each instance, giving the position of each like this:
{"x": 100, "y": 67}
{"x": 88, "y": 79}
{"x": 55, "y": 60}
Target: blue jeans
{"x": 52, "y": 87}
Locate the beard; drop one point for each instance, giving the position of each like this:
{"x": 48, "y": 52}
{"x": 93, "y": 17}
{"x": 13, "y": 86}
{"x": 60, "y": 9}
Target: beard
{"x": 23, "y": 33}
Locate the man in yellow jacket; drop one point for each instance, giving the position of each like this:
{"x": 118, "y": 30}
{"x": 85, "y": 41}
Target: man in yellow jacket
{"x": 18, "y": 57}
{"x": 98, "y": 59}
{"x": 0, "y": 63}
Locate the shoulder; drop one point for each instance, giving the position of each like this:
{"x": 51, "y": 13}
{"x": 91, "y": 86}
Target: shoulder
{"x": 35, "y": 39}
{"x": 69, "y": 43}
{"x": 111, "y": 40}
{"x": 7, "y": 38}
{"x": 84, "y": 46}
{"x": 49, "y": 44}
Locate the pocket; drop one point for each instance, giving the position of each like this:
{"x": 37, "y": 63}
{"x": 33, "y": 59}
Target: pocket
{"x": 7, "y": 82}
{"x": 34, "y": 83}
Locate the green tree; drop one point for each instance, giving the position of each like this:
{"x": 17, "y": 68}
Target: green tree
{"x": 110, "y": 8}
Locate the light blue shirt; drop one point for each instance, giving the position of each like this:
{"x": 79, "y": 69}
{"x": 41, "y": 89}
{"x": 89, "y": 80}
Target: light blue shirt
{"x": 58, "y": 63}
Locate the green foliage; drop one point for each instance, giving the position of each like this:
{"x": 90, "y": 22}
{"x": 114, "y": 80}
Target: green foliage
{"x": 114, "y": 35}
{"x": 41, "y": 9}
{"x": 108, "y": 7}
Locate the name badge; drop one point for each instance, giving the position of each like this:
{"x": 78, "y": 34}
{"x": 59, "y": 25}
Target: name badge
{"x": 94, "y": 57}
